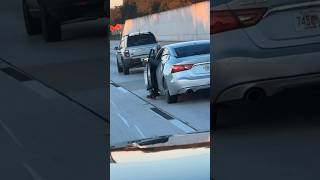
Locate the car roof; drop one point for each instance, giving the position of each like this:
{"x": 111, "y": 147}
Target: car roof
{"x": 187, "y": 43}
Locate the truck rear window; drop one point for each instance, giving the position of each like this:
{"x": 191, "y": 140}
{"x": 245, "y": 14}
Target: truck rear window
{"x": 192, "y": 50}
{"x": 141, "y": 39}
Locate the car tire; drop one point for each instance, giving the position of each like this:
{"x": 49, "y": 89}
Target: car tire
{"x": 125, "y": 69}
{"x": 51, "y": 28}
{"x": 120, "y": 69}
{"x": 32, "y": 24}
{"x": 169, "y": 98}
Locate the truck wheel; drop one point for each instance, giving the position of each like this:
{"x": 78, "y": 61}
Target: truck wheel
{"x": 51, "y": 28}
{"x": 125, "y": 69}
{"x": 169, "y": 98}
{"x": 120, "y": 69}
{"x": 33, "y": 25}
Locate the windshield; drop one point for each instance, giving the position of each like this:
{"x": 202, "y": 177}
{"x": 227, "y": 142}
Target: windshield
{"x": 141, "y": 39}
{"x": 192, "y": 50}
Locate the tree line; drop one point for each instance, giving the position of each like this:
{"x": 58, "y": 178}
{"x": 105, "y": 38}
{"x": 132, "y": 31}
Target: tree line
{"x": 137, "y": 8}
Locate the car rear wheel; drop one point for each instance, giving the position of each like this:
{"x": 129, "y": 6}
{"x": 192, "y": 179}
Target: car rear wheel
{"x": 120, "y": 69}
{"x": 33, "y": 25}
{"x": 51, "y": 27}
{"x": 169, "y": 98}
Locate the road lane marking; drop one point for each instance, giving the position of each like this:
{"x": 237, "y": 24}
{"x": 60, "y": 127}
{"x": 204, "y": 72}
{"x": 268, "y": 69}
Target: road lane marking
{"x": 40, "y": 89}
{"x": 11, "y": 134}
{"x": 122, "y": 90}
{"x": 23, "y": 76}
{"x": 30, "y": 83}
{"x": 115, "y": 105}
{"x": 119, "y": 115}
{"x": 123, "y": 119}
{"x": 173, "y": 120}
{"x": 139, "y": 131}
{"x": 182, "y": 126}
{"x": 112, "y": 103}
{"x": 32, "y": 172}
{"x": 114, "y": 84}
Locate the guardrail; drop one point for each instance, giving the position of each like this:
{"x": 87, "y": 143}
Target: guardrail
{"x": 182, "y": 24}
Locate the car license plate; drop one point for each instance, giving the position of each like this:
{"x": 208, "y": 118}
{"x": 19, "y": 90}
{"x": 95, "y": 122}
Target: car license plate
{"x": 201, "y": 68}
{"x": 206, "y": 67}
{"x": 307, "y": 20}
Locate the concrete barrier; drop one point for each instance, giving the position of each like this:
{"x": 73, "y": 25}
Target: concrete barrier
{"x": 182, "y": 24}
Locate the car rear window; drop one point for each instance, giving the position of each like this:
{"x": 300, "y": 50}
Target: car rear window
{"x": 141, "y": 39}
{"x": 192, "y": 50}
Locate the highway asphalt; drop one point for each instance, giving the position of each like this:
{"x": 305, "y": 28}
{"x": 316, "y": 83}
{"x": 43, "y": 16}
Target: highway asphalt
{"x": 53, "y": 107}
{"x": 274, "y": 139}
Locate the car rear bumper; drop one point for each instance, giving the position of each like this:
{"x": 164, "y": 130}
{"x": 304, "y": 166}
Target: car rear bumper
{"x": 182, "y": 86}
{"x": 135, "y": 61}
{"x": 233, "y": 77}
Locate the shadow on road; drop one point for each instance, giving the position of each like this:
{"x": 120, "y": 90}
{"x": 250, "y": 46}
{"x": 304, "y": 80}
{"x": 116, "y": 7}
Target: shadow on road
{"x": 289, "y": 109}
{"x": 136, "y": 71}
{"x": 85, "y": 30}
{"x": 197, "y": 96}
{"x": 276, "y": 137}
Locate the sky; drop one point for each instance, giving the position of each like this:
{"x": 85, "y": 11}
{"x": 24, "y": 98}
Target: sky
{"x": 115, "y": 3}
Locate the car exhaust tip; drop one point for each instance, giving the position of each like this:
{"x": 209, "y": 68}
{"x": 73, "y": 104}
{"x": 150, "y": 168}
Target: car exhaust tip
{"x": 189, "y": 91}
{"x": 255, "y": 94}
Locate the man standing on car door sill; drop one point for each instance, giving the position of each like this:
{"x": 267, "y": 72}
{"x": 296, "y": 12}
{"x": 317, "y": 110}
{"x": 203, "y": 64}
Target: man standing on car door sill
{"x": 154, "y": 91}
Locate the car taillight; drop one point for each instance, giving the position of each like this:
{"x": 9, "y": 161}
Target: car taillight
{"x": 225, "y": 20}
{"x": 180, "y": 67}
{"x": 126, "y": 53}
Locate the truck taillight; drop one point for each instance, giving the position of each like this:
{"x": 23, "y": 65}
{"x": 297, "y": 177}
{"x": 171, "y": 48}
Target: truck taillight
{"x": 225, "y": 20}
{"x": 126, "y": 53}
{"x": 180, "y": 67}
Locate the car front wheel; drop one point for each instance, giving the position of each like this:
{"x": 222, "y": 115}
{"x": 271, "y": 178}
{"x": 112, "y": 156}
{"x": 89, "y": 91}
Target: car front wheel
{"x": 125, "y": 68}
{"x": 120, "y": 69}
{"x": 169, "y": 98}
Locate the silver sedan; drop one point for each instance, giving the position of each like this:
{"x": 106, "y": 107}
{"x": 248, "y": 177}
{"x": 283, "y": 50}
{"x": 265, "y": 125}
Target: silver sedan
{"x": 181, "y": 68}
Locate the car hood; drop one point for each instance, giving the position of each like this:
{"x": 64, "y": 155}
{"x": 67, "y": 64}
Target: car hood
{"x": 179, "y": 164}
